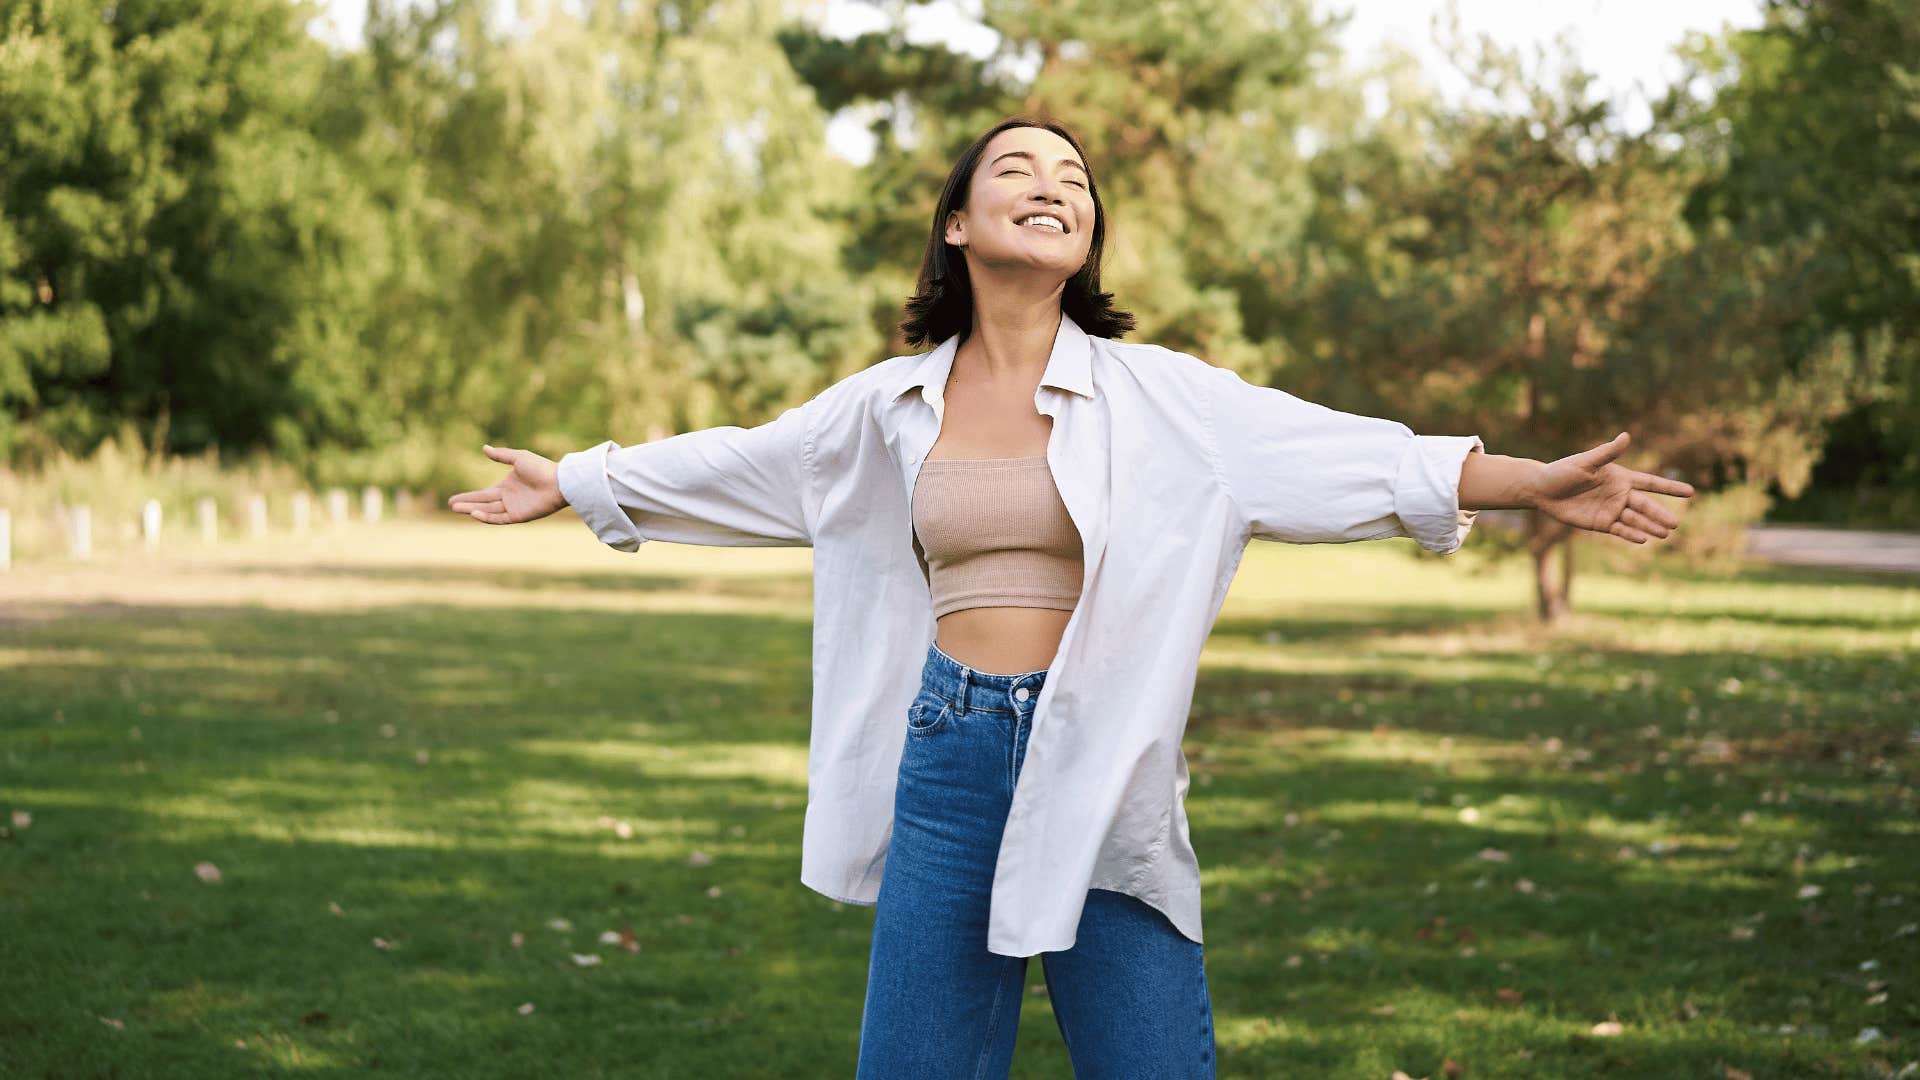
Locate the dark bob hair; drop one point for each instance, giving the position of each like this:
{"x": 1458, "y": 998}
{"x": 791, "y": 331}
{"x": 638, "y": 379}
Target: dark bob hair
{"x": 942, "y": 305}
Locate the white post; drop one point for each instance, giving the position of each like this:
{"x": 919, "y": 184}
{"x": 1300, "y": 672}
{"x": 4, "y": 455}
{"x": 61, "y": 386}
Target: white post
{"x": 150, "y": 522}
{"x": 257, "y": 515}
{"x": 337, "y": 506}
{"x": 302, "y": 513}
{"x": 402, "y": 501}
{"x": 82, "y": 532}
{"x": 370, "y": 504}
{"x": 6, "y": 540}
{"x": 209, "y": 512}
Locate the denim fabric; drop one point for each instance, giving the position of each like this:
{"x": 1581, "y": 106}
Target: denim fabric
{"x": 1130, "y": 996}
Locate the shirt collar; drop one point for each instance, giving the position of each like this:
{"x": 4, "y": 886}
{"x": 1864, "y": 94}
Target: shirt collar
{"x": 1069, "y": 366}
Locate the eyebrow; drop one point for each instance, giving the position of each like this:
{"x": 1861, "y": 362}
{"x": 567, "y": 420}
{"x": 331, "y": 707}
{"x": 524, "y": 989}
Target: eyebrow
{"x": 1029, "y": 157}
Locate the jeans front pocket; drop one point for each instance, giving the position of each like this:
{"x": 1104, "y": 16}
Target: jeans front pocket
{"x": 927, "y": 714}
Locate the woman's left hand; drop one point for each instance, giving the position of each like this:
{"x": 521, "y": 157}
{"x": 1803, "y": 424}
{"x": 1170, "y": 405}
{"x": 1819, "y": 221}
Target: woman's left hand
{"x": 1589, "y": 491}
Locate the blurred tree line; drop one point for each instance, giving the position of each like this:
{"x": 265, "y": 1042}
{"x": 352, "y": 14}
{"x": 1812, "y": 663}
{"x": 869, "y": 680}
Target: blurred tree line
{"x": 622, "y": 220}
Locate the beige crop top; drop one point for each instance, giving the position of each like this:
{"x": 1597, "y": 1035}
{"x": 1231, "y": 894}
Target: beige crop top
{"x": 993, "y": 532}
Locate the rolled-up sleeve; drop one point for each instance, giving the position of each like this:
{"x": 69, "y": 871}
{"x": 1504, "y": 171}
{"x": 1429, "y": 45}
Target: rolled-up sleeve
{"x": 722, "y": 486}
{"x": 1302, "y": 473}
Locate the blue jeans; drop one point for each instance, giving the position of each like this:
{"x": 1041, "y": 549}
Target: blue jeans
{"x": 1130, "y": 996}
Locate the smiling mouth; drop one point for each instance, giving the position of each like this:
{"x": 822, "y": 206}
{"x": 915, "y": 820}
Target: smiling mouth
{"x": 1044, "y": 223}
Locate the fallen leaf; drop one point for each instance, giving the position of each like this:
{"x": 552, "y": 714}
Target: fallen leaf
{"x": 1808, "y": 892}
{"x": 207, "y": 871}
{"x": 525, "y": 1008}
{"x": 627, "y": 939}
{"x": 1606, "y": 1027}
{"x": 1493, "y": 855}
{"x": 1509, "y": 997}
{"x": 317, "y": 1016}
{"x": 559, "y": 924}
{"x": 1382, "y": 1010}
{"x": 334, "y": 906}
{"x": 586, "y": 959}
{"x": 518, "y": 939}
{"x": 1738, "y": 1074}
{"x": 713, "y": 890}
{"x": 1451, "y": 1067}
{"x": 609, "y": 937}
{"x": 623, "y": 830}
{"x": 1869, "y": 1034}
{"x": 114, "y": 1022}
{"x": 382, "y": 944}
{"x": 699, "y": 858}
{"x": 22, "y": 819}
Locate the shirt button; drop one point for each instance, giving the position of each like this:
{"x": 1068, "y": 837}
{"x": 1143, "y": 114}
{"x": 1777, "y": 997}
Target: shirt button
{"x": 1022, "y": 693}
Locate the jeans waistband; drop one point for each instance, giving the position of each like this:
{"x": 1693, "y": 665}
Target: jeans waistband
{"x": 968, "y": 689}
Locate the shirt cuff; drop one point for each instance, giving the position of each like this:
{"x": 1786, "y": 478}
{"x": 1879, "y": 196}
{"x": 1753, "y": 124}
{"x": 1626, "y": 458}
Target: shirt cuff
{"x": 1426, "y": 494}
{"x": 583, "y": 483}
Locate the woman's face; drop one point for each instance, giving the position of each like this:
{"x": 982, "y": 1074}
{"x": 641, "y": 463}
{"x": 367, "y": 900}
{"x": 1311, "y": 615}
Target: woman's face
{"x": 1026, "y": 173}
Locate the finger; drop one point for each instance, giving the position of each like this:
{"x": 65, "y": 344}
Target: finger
{"x": 1599, "y": 455}
{"x": 1650, "y": 482}
{"x": 481, "y": 495}
{"x": 1654, "y": 509}
{"x": 1642, "y": 522}
{"x": 484, "y": 502}
{"x": 501, "y": 454}
{"x": 1627, "y": 532}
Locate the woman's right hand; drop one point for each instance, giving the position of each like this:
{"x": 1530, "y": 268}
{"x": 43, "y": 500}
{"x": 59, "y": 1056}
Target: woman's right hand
{"x": 531, "y": 491}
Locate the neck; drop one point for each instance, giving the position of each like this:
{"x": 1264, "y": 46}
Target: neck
{"x": 1011, "y": 338}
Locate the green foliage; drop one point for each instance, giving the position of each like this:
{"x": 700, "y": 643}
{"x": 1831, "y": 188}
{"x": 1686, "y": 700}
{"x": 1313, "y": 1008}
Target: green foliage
{"x": 620, "y": 221}
{"x": 1811, "y": 124}
{"x": 175, "y": 245}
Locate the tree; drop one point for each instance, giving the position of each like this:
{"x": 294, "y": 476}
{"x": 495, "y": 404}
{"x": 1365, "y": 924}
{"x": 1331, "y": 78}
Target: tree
{"x": 174, "y": 243}
{"x": 1811, "y": 127}
{"x": 1524, "y": 271}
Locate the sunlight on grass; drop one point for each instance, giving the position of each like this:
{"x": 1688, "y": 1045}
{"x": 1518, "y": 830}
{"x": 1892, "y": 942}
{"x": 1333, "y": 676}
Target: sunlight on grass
{"x": 1694, "y": 790}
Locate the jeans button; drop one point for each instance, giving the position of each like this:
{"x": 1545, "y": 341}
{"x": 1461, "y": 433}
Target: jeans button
{"x": 1022, "y": 694}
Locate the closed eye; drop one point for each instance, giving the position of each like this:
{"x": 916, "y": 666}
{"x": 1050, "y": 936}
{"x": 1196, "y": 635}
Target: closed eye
{"x": 1023, "y": 172}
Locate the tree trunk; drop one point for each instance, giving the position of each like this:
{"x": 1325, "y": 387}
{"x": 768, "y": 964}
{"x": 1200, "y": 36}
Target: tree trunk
{"x": 1553, "y": 599}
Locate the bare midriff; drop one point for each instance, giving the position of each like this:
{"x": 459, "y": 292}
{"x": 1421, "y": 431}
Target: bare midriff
{"x": 1002, "y": 640}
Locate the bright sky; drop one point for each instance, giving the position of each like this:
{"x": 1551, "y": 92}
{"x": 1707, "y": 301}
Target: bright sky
{"x": 1626, "y": 43}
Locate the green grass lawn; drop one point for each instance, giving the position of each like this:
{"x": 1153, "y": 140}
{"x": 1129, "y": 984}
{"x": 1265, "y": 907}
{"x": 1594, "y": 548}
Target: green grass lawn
{"x": 433, "y": 763}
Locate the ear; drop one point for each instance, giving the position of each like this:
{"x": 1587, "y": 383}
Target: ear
{"x": 957, "y": 229}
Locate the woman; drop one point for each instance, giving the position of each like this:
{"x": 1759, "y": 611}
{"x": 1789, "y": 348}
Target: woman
{"x": 1030, "y": 580}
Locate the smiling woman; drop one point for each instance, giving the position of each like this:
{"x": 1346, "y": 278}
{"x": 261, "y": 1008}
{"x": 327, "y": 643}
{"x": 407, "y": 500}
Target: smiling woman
{"x": 1021, "y": 167}
{"x": 1021, "y": 540}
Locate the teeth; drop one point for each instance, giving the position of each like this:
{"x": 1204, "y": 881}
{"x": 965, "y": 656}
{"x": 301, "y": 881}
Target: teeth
{"x": 1044, "y": 220}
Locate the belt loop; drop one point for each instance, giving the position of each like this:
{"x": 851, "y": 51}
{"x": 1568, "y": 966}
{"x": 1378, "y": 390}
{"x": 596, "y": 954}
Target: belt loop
{"x": 965, "y": 672}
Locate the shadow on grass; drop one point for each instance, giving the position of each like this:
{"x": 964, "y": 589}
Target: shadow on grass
{"x": 149, "y": 739}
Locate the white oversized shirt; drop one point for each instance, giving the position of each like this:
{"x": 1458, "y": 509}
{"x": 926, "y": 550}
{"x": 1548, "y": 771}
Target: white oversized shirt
{"x": 1167, "y": 465}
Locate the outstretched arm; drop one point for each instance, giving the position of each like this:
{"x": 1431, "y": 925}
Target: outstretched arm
{"x": 1302, "y": 473}
{"x": 723, "y": 486}
{"x": 1587, "y": 490}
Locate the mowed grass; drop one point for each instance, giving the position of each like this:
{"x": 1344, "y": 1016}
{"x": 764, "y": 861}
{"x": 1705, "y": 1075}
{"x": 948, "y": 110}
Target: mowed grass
{"x": 435, "y": 762}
